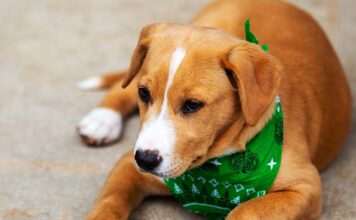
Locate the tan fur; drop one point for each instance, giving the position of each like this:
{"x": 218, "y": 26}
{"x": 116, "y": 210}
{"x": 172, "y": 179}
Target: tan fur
{"x": 110, "y": 79}
{"x": 301, "y": 67}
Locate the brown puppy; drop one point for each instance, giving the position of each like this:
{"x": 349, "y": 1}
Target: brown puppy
{"x": 204, "y": 92}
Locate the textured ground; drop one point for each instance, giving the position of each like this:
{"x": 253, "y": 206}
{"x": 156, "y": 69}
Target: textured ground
{"x": 46, "y": 46}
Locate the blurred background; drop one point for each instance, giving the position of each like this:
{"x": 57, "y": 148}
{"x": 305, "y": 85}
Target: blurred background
{"x": 47, "y": 46}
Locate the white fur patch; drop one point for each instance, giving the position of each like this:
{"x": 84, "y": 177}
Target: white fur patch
{"x": 102, "y": 125}
{"x": 90, "y": 83}
{"x": 177, "y": 58}
{"x": 157, "y": 132}
{"x": 230, "y": 150}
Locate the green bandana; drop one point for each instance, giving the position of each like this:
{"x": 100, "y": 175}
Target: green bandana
{"x": 222, "y": 183}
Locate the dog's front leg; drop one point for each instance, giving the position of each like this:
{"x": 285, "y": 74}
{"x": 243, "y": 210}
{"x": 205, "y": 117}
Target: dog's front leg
{"x": 103, "y": 125}
{"x": 293, "y": 199}
{"x": 125, "y": 189}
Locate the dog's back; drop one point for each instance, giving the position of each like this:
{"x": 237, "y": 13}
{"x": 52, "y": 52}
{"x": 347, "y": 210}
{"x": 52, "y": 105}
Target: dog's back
{"x": 314, "y": 90}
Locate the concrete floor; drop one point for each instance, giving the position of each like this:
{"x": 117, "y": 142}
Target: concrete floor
{"x": 46, "y": 46}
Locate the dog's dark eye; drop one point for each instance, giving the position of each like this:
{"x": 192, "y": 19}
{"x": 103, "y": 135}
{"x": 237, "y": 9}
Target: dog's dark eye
{"x": 191, "y": 106}
{"x": 144, "y": 94}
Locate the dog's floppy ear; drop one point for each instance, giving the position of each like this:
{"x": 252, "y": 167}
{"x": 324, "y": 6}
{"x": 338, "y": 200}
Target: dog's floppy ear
{"x": 256, "y": 75}
{"x": 140, "y": 52}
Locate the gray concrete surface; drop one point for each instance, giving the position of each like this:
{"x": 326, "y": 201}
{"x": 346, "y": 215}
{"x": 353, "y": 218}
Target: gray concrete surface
{"x": 46, "y": 46}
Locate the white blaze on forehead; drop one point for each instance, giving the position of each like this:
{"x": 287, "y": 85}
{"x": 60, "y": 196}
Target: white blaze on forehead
{"x": 157, "y": 132}
{"x": 177, "y": 58}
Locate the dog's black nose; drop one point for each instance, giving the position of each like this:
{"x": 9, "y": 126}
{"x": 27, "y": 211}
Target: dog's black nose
{"x": 148, "y": 160}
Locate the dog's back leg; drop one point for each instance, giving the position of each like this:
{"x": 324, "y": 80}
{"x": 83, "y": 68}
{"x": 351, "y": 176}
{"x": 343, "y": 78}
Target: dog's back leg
{"x": 105, "y": 81}
{"x": 103, "y": 125}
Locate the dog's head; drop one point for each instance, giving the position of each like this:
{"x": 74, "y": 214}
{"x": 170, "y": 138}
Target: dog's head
{"x": 201, "y": 92}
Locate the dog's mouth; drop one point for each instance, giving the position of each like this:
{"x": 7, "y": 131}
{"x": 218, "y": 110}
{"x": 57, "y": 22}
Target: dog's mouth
{"x": 176, "y": 169}
{"x": 196, "y": 162}
{"x": 196, "y": 159}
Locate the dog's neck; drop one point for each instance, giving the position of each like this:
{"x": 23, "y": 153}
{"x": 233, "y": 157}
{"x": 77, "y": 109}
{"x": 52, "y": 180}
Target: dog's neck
{"x": 234, "y": 137}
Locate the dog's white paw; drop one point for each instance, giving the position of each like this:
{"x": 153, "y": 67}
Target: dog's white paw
{"x": 101, "y": 126}
{"x": 90, "y": 83}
